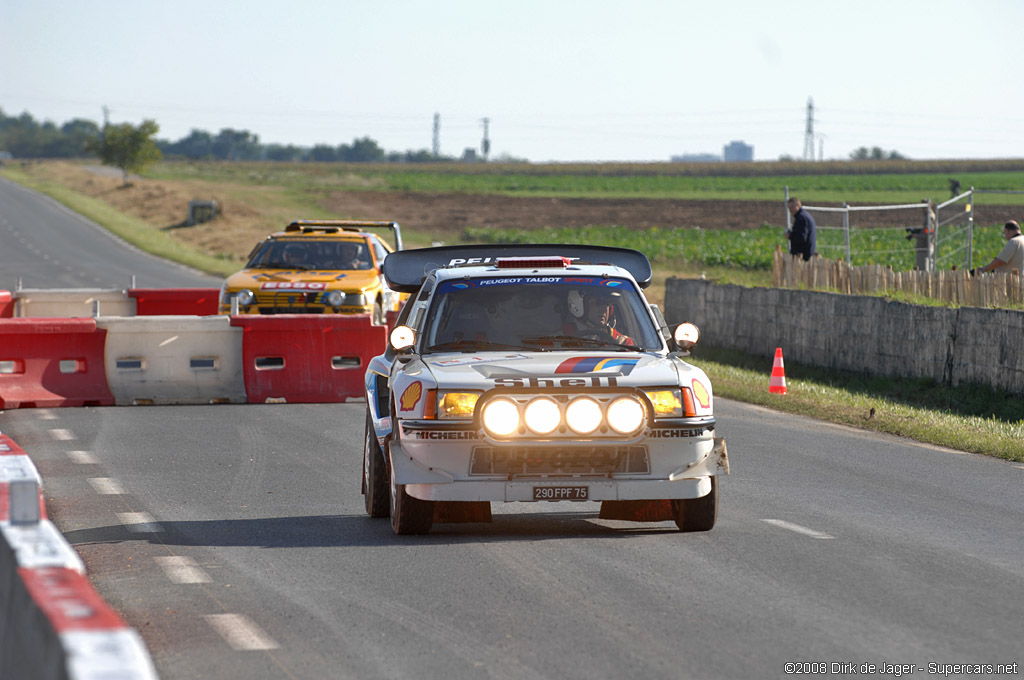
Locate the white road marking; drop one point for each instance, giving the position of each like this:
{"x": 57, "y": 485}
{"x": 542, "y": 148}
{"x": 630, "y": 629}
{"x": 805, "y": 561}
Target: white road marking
{"x": 139, "y": 522}
{"x": 782, "y": 524}
{"x": 106, "y": 485}
{"x": 239, "y": 632}
{"x": 81, "y": 457}
{"x": 182, "y": 570}
{"x": 47, "y": 414}
{"x": 62, "y": 435}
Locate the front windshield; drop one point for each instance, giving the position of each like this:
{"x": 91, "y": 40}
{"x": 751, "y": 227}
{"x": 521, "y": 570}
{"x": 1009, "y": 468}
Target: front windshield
{"x": 539, "y": 313}
{"x": 305, "y": 254}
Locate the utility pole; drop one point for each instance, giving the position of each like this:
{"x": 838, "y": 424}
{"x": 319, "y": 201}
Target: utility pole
{"x": 437, "y": 135}
{"x": 485, "y": 146}
{"x": 809, "y": 132}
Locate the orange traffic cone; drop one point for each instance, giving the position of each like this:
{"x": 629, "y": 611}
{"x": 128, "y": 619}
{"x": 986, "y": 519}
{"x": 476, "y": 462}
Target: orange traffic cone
{"x": 777, "y": 384}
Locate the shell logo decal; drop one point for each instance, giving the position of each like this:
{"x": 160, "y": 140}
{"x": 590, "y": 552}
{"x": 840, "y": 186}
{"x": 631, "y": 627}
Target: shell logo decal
{"x": 411, "y": 396}
{"x": 700, "y": 393}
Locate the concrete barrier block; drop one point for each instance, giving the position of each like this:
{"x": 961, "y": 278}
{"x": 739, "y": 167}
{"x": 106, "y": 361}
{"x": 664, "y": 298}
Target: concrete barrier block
{"x": 72, "y": 302}
{"x": 173, "y": 360}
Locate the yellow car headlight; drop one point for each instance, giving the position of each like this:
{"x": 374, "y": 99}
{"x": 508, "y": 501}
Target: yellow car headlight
{"x": 667, "y": 403}
{"x": 456, "y": 404}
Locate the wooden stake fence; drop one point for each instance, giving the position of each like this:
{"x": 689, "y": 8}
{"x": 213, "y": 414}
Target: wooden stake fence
{"x": 954, "y": 287}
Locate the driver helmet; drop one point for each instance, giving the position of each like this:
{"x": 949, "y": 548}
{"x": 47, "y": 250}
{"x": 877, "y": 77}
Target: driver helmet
{"x": 577, "y": 298}
{"x": 294, "y": 252}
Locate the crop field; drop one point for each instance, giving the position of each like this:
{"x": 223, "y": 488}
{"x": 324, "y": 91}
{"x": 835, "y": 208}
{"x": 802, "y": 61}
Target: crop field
{"x": 748, "y": 248}
{"x": 669, "y": 181}
{"x": 687, "y": 217}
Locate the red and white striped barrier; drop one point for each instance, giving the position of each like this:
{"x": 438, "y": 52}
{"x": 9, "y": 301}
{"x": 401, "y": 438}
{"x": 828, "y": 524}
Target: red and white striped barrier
{"x": 53, "y": 623}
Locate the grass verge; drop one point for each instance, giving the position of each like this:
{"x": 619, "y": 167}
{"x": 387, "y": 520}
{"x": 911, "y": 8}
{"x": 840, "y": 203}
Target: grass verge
{"x": 967, "y": 417}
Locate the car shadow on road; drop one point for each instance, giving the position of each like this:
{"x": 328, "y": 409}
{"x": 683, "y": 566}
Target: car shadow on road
{"x": 317, "y": 531}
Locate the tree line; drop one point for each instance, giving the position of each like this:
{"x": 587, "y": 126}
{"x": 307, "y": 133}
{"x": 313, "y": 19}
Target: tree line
{"x": 24, "y": 137}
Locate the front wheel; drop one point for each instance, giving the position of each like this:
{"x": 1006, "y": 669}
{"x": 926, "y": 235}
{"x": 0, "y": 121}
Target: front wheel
{"x": 697, "y": 514}
{"x": 378, "y": 314}
{"x": 409, "y": 515}
{"x": 375, "y": 474}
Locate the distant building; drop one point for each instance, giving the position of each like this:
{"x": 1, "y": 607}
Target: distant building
{"x": 697, "y": 158}
{"x": 737, "y": 152}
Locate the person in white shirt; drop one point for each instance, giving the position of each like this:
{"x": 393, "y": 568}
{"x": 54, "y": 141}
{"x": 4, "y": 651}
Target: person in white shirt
{"x": 1012, "y": 255}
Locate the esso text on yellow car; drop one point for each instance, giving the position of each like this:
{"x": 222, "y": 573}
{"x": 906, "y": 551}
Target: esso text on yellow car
{"x": 316, "y": 267}
{"x": 525, "y": 373}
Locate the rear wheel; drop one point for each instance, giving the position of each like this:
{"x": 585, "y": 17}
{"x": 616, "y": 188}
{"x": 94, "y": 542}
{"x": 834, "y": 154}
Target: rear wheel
{"x": 697, "y": 514}
{"x": 409, "y": 515}
{"x": 375, "y": 474}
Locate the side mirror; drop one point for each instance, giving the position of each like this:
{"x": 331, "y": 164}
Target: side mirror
{"x": 686, "y": 336}
{"x": 402, "y": 339}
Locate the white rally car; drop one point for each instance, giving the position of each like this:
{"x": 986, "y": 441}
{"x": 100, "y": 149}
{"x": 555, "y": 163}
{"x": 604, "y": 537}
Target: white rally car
{"x": 536, "y": 373}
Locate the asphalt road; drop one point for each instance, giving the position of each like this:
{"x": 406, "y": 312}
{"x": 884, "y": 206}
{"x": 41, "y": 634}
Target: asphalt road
{"x": 233, "y": 538}
{"x": 832, "y": 545}
{"x": 45, "y": 245}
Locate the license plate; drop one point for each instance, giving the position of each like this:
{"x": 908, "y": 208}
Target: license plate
{"x": 561, "y": 493}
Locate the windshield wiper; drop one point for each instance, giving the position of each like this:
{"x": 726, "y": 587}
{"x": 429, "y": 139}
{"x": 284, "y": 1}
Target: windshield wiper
{"x": 575, "y": 341}
{"x": 470, "y": 346}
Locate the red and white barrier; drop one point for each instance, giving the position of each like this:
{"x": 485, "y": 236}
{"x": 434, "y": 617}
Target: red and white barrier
{"x": 298, "y": 358}
{"x": 52, "y": 362}
{"x": 175, "y": 301}
{"x": 169, "y": 351}
{"x": 53, "y": 623}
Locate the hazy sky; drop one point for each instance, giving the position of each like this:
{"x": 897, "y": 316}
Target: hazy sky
{"x": 570, "y": 80}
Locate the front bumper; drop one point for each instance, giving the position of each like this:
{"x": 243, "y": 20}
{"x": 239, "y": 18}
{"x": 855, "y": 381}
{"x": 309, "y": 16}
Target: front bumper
{"x": 692, "y": 480}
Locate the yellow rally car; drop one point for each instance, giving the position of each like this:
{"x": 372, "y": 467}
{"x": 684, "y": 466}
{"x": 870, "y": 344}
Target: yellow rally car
{"x": 316, "y": 267}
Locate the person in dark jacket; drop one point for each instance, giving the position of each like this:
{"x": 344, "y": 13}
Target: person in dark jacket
{"x": 803, "y": 233}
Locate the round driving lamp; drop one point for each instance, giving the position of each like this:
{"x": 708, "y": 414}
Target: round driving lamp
{"x": 246, "y": 297}
{"x": 686, "y": 335}
{"x": 542, "y": 415}
{"x": 334, "y": 298}
{"x": 583, "y": 415}
{"x": 402, "y": 338}
{"x": 500, "y": 417}
{"x": 625, "y": 415}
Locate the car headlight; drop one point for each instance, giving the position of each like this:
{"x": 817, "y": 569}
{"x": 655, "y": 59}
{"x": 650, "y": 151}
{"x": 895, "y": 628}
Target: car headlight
{"x": 500, "y": 417}
{"x": 542, "y": 415}
{"x": 334, "y": 298}
{"x": 456, "y": 404}
{"x": 583, "y": 415}
{"x": 626, "y": 415}
{"x": 666, "y": 403}
{"x": 246, "y": 297}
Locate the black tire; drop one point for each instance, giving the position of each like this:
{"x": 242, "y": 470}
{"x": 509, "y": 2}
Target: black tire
{"x": 697, "y": 514}
{"x": 378, "y": 314}
{"x": 375, "y": 474}
{"x": 409, "y": 515}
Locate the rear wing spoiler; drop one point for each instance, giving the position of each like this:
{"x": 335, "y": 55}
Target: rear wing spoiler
{"x": 334, "y": 226}
{"x": 404, "y": 271}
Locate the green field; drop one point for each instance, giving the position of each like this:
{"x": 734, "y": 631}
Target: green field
{"x": 748, "y": 249}
{"x": 655, "y": 180}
